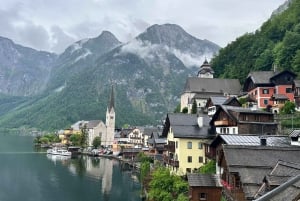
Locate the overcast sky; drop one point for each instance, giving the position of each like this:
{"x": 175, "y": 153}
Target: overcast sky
{"x": 52, "y": 25}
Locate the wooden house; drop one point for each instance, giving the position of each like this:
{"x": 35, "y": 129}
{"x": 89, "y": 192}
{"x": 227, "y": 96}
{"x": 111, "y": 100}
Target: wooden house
{"x": 206, "y": 187}
{"x": 239, "y": 120}
{"x": 244, "y": 167}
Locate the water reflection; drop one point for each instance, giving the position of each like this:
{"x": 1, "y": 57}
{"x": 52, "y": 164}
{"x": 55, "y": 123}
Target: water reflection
{"x": 92, "y": 167}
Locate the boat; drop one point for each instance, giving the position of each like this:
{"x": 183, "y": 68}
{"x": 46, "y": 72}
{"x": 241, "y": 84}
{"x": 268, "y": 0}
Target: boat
{"x": 59, "y": 151}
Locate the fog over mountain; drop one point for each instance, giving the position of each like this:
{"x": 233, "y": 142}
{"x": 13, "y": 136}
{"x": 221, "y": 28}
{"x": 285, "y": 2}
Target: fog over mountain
{"x": 148, "y": 73}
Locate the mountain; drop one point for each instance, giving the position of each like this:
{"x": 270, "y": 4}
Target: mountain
{"x": 23, "y": 71}
{"x": 148, "y": 74}
{"x": 276, "y": 43}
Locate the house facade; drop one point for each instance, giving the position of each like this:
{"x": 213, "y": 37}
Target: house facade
{"x": 204, "y": 187}
{"x": 186, "y": 135}
{"x": 239, "y": 120}
{"x": 271, "y": 88}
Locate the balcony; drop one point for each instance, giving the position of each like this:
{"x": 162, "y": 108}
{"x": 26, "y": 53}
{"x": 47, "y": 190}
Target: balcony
{"x": 221, "y": 123}
{"x": 171, "y": 161}
{"x": 170, "y": 147}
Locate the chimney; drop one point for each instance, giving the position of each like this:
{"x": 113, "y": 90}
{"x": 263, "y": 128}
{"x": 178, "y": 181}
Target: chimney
{"x": 200, "y": 121}
{"x": 263, "y": 140}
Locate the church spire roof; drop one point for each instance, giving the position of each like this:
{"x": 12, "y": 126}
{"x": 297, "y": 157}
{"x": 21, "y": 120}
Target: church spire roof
{"x": 112, "y": 99}
{"x": 205, "y": 70}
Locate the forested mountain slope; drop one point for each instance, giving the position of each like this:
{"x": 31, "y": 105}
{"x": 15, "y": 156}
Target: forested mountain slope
{"x": 276, "y": 43}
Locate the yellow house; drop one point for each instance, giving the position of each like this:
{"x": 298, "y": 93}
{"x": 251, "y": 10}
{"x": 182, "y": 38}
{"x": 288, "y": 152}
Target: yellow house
{"x": 186, "y": 135}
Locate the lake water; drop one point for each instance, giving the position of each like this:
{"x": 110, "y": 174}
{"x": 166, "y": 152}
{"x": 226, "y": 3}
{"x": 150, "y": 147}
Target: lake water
{"x": 29, "y": 175}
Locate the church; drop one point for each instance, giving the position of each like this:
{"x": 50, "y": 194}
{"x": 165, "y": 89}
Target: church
{"x": 105, "y": 131}
{"x": 201, "y": 87}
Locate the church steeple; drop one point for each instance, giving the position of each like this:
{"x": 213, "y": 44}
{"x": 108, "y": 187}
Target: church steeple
{"x": 110, "y": 120}
{"x": 205, "y": 70}
{"x": 112, "y": 99}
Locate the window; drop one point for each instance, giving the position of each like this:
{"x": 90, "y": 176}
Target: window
{"x": 266, "y": 101}
{"x": 202, "y": 196}
{"x": 200, "y": 159}
{"x": 188, "y": 170}
{"x": 255, "y": 92}
{"x": 190, "y": 159}
{"x": 189, "y": 145}
{"x": 200, "y": 145}
{"x": 176, "y": 144}
{"x": 265, "y": 91}
{"x": 288, "y": 90}
{"x": 233, "y": 130}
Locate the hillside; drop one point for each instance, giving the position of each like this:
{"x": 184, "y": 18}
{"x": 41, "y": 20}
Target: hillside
{"x": 148, "y": 74}
{"x": 276, "y": 43}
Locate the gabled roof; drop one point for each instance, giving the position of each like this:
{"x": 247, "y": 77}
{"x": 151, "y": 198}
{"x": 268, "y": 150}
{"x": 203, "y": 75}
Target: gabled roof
{"x": 251, "y": 140}
{"x": 286, "y": 191}
{"x": 252, "y": 163}
{"x": 264, "y": 78}
{"x": 203, "y": 180}
{"x": 93, "y": 123}
{"x": 279, "y": 178}
{"x": 218, "y": 100}
{"x": 233, "y": 111}
{"x": 186, "y": 126}
{"x": 212, "y": 85}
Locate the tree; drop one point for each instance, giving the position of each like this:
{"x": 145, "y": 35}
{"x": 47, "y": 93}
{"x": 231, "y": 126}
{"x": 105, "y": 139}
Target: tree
{"x": 84, "y": 136}
{"x": 194, "y": 107}
{"x": 177, "y": 109}
{"x": 209, "y": 168}
{"x": 44, "y": 140}
{"x": 75, "y": 139}
{"x": 288, "y": 108}
{"x": 185, "y": 110}
{"x": 165, "y": 186}
{"x": 96, "y": 142}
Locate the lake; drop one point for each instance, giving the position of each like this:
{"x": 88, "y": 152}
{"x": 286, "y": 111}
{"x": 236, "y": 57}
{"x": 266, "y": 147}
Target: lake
{"x": 30, "y": 175}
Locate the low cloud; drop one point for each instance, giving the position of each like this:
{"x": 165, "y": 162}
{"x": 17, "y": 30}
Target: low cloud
{"x": 148, "y": 51}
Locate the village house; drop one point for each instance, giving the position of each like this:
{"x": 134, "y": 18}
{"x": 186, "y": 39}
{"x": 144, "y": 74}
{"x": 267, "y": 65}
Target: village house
{"x": 271, "y": 88}
{"x": 186, "y": 135}
{"x": 245, "y": 167}
{"x": 157, "y": 143}
{"x": 135, "y": 137}
{"x": 239, "y": 120}
{"x": 200, "y": 88}
{"x": 214, "y": 102}
{"x": 204, "y": 187}
{"x": 216, "y": 145}
{"x": 75, "y": 129}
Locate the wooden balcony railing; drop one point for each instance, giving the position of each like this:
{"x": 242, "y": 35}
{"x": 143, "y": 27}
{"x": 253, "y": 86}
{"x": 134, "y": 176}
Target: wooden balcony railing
{"x": 171, "y": 161}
